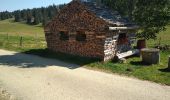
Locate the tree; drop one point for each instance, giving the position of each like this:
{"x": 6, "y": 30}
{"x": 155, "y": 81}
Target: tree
{"x": 151, "y": 15}
{"x": 17, "y": 15}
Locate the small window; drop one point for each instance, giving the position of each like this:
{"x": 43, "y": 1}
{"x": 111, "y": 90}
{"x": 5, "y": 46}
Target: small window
{"x": 64, "y": 35}
{"x": 80, "y": 36}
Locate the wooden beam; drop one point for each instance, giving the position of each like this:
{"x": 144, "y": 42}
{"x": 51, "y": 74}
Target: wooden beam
{"x": 128, "y": 53}
{"x": 123, "y": 28}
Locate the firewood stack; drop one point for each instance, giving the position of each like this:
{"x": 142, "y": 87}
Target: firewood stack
{"x": 75, "y": 17}
{"x": 109, "y": 48}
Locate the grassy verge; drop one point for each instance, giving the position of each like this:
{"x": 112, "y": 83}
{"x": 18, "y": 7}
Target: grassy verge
{"x": 134, "y": 67}
{"x": 35, "y": 44}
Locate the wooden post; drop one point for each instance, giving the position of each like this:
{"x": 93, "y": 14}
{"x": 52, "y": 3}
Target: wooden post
{"x": 36, "y": 39}
{"x": 169, "y": 63}
{"x": 21, "y": 40}
{"x": 7, "y": 36}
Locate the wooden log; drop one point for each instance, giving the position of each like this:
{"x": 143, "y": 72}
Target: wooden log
{"x": 127, "y": 54}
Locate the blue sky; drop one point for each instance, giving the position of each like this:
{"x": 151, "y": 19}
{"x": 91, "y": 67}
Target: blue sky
{"x": 11, "y": 5}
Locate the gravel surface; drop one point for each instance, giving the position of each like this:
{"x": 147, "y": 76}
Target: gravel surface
{"x": 29, "y": 77}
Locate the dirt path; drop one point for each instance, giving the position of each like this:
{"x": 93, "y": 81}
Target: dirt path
{"x": 30, "y": 77}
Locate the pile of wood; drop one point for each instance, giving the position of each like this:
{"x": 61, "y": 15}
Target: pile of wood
{"x": 76, "y": 17}
{"x": 109, "y": 48}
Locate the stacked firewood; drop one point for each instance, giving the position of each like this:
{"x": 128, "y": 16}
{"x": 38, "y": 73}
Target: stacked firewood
{"x": 109, "y": 48}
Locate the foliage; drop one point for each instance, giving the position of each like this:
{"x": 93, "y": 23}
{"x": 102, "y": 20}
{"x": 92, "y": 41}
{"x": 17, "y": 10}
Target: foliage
{"x": 33, "y": 16}
{"x": 5, "y": 15}
{"x": 36, "y": 45}
{"x": 151, "y": 15}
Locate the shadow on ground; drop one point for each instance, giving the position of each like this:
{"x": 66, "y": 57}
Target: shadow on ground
{"x": 27, "y": 60}
{"x": 139, "y": 63}
{"x": 165, "y": 70}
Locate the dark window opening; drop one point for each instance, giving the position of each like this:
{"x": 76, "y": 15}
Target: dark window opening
{"x": 122, "y": 36}
{"x": 81, "y": 36}
{"x": 64, "y": 35}
{"x": 122, "y": 39}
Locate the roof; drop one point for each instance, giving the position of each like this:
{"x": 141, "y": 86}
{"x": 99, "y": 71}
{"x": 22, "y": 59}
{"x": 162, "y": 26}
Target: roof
{"x": 104, "y": 12}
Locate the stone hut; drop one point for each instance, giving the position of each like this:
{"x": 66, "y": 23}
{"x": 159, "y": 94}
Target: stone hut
{"x": 89, "y": 29}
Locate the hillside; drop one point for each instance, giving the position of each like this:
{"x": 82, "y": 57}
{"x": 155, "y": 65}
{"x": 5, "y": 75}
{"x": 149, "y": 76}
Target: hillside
{"x": 11, "y": 27}
{"x": 19, "y": 36}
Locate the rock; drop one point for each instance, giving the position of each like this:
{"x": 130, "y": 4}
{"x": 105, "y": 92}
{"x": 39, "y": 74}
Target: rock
{"x": 123, "y": 60}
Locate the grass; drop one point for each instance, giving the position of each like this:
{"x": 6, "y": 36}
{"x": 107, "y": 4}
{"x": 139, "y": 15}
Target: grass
{"x": 163, "y": 37}
{"x": 18, "y": 28}
{"x": 34, "y": 43}
{"x": 11, "y": 33}
{"x": 134, "y": 67}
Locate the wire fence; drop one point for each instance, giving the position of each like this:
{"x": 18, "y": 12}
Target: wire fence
{"x": 22, "y": 41}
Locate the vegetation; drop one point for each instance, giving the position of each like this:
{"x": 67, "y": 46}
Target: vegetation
{"x": 12, "y": 32}
{"x": 20, "y": 28}
{"x": 16, "y": 35}
{"x": 37, "y": 46}
{"x": 5, "y": 15}
{"x": 151, "y": 15}
{"x": 33, "y": 16}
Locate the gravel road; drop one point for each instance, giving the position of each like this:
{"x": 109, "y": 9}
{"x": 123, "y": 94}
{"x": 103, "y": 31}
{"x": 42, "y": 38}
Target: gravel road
{"x": 28, "y": 77}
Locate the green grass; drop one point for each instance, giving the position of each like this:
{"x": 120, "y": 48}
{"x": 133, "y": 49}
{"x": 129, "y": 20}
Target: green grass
{"x": 163, "y": 37}
{"x": 11, "y": 32}
{"x": 34, "y": 43}
{"x": 134, "y": 67}
{"x": 18, "y": 28}
{"x": 13, "y": 42}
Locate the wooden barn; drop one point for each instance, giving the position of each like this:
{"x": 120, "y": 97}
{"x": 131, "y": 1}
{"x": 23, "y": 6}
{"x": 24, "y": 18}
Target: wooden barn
{"x": 89, "y": 29}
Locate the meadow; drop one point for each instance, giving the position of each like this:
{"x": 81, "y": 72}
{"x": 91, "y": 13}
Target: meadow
{"x": 30, "y": 39}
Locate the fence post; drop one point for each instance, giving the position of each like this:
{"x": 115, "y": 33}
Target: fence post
{"x": 21, "y": 40}
{"x": 7, "y": 36}
{"x": 36, "y": 39}
{"x": 169, "y": 63}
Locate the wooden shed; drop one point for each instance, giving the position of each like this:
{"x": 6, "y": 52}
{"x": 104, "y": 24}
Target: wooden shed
{"x": 89, "y": 29}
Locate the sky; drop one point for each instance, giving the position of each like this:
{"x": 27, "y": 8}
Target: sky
{"x": 11, "y": 5}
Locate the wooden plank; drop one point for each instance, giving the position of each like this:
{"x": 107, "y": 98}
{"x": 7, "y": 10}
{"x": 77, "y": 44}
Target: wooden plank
{"x": 128, "y": 53}
{"x": 123, "y": 28}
